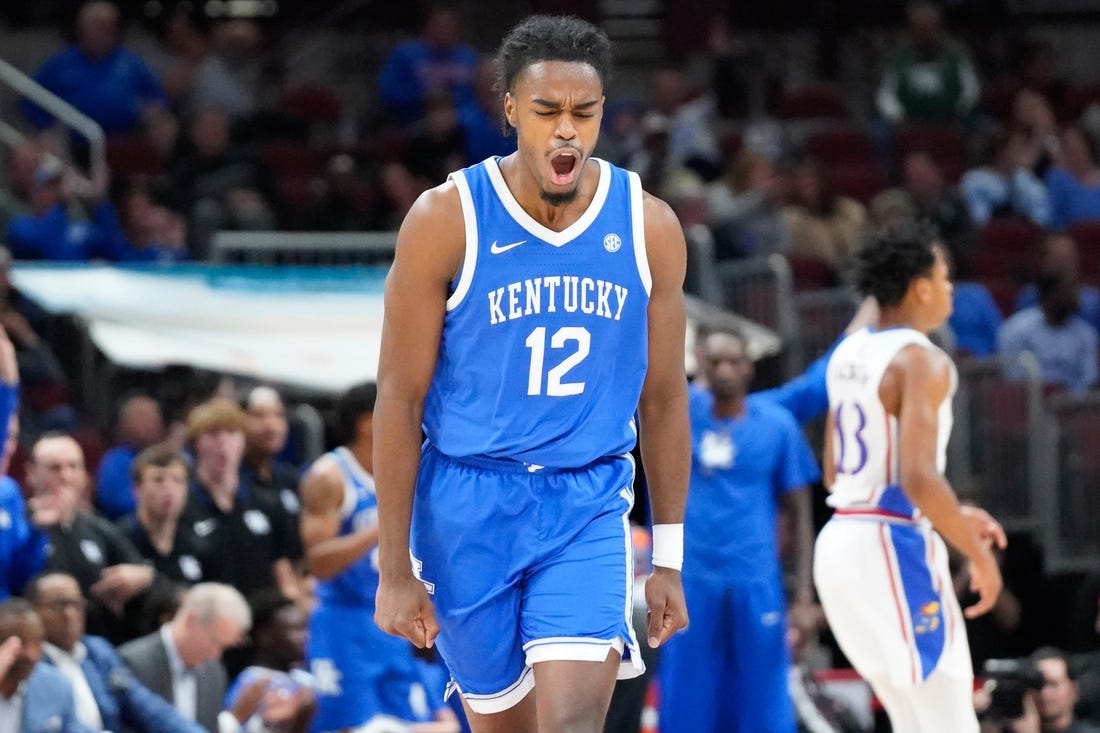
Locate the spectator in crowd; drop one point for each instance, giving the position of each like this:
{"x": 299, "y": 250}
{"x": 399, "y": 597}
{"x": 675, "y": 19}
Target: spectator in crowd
{"x": 397, "y": 191}
{"x": 749, "y": 457}
{"x": 33, "y": 696}
{"x": 278, "y": 646}
{"x": 100, "y": 77}
{"x": 230, "y": 76}
{"x": 820, "y": 223}
{"x": 975, "y": 319}
{"x": 1059, "y": 694}
{"x": 236, "y": 520}
{"x": 140, "y": 425}
{"x": 743, "y": 207}
{"x": 159, "y": 478}
{"x": 933, "y": 199}
{"x": 482, "y": 122}
{"x": 157, "y": 233}
{"x": 22, "y": 161}
{"x": 1039, "y": 72}
{"x": 220, "y": 185}
{"x": 688, "y": 118}
{"x": 438, "y": 142}
{"x": 928, "y": 76}
{"x": 186, "y": 653}
{"x": 343, "y": 204}
{"x": 53, "y": 232}
{"x": 266, "y": 430}
{"x": 106, "y": 694}
{"x": 110, "y": 570}
{"x": 1034, "y": 123}
{"x": 1074, "y": 183}
{"x": 1062, "y": 343}
{"x": 437, "y": 60}
{"x": 1059, "y": 255}
{"x": 1005, "y": 185}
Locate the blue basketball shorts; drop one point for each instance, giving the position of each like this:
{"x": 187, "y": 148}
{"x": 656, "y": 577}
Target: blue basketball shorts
{"x": 524, "y": 565}
{"x": 360, "y": 671}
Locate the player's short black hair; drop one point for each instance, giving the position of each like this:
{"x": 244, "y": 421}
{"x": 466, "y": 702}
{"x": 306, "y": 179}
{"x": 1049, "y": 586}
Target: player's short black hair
{"x": 552, "y": 38}
{"x": 356, "y": 402}
{"x": 893, "y": 257}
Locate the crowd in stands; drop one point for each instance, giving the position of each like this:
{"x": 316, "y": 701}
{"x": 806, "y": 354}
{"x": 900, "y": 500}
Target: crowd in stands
{"x": 199, "y": 491}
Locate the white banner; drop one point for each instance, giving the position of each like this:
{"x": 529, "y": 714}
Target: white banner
{"x": 313, "y": 327}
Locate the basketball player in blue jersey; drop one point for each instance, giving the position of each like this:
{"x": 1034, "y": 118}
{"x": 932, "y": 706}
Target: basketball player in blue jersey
{"x": 534, "y": 305}
{"x": 361, "y": 671}
{"x": 727, "y": 673}
{"x": 880, "y": 564}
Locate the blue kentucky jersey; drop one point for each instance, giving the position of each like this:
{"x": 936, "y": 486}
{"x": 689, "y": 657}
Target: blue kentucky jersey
{"x": 357, "y": 584}
{"x": 544, "y": 345}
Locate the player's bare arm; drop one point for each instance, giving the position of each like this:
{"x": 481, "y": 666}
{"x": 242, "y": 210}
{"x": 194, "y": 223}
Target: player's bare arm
{"x": 913, "y": 387}
{"x": 429, "y": 254}
{"x": 797, "y": 505}
{"x": 664, "y": 431}
{"x": 327, "y": 551}
{"x": 828, "y": 462}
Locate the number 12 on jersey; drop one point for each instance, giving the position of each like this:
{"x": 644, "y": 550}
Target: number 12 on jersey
{"x": 555, "y": 387}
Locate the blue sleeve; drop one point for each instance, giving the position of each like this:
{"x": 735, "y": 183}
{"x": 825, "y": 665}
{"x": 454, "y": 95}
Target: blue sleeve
{"x": 29, "y": 545}
{"x": 1059, "y": 192}
{"x": 110, "y": 242}
{"x": 41, "y": 237}
{"x": 48, "y": 77}
{"x": 798, "y": 467}
{"x": 1088, "y": 358}
{"x": 114, "y": 494}
{"x": 805, "y": 397}
{"x": 149, "y": 86}
{"x": 141, "y": 708}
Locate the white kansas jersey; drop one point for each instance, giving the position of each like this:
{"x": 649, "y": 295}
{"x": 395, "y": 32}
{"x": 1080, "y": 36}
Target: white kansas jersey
{"x": 865, "y": 437}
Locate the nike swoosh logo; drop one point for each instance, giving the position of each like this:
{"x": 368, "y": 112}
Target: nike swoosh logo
{"x": 497, "y": 249}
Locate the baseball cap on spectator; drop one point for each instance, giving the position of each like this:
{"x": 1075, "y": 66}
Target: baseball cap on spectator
{"x": 217, "y": 414}
{"x": 50, "y": 169}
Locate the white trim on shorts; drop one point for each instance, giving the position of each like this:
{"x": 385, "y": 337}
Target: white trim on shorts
{"x": 497, "y": 702}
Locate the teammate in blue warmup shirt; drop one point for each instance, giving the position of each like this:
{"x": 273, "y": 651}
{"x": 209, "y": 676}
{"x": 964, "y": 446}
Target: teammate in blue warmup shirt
{"x": 534, "y": 305}
{"x": 727, "y": 672}
{"x": 360, "y": 672}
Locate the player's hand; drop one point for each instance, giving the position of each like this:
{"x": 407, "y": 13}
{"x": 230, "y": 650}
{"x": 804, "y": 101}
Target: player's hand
{"x": 402, "y": 608}
{"x": 988, "y": 529}
{"x": 985, "y": 580}
{"x": 664, "y": 596}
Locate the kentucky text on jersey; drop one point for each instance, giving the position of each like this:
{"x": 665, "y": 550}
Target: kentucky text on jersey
{"x": 547, "y": 294}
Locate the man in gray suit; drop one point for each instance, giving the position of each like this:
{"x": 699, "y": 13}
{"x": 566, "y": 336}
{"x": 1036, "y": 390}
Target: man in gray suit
{"x": 181, "y": 662}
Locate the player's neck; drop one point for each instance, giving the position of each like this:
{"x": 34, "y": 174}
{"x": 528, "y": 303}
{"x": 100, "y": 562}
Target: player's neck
{"x": 898, "y": 318}
{"x": 526, "y": 191}
{"x": 728, "y": 407}
{"x": 160, "y": 530}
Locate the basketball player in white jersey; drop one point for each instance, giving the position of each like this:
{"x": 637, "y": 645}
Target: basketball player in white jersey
{"x": 880, "y": 564}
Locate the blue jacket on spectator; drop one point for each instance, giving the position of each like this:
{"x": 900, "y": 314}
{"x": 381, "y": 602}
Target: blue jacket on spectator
{"x": 414, "y": 68}
{"x": 111, "y": 90}
{"x": 1070, "y": 200}
{"x": 1066, "y": 354}
{"x": 56, "y": 237}
{"x": 48, "y": 705}
{"x": 975, "y": 319}
{"x": 114, "y": 490}
{"x": 1089, "y": 309}
{"x": 125, "y": 703}
{"x": 22, "y": 549}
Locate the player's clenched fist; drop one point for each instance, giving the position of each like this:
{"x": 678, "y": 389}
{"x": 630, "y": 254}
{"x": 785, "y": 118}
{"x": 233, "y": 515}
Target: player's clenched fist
{"x": 402, "y": 608}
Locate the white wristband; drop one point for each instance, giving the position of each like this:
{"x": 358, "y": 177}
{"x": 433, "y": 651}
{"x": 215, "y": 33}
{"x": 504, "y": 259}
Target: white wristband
{"x": 668, "y": 546}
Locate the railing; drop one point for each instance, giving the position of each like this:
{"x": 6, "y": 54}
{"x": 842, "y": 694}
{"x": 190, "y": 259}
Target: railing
{"x": 305, "y": 248}
{"x": 63, "y": 111}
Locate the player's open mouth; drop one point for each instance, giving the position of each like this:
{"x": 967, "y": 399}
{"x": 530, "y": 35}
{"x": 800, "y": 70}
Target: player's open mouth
{"x": 564, "y": 165}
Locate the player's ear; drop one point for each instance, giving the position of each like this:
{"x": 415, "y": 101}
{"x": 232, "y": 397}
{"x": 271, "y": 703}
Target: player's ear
{"x": 510, "y": 108}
